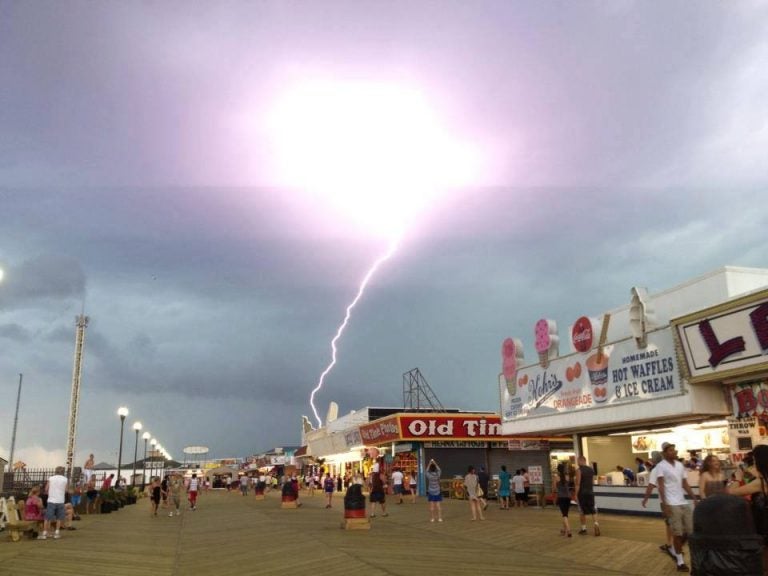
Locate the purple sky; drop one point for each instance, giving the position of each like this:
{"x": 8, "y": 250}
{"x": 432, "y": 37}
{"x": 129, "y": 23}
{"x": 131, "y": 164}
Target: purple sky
{"x": 623, "y": 144}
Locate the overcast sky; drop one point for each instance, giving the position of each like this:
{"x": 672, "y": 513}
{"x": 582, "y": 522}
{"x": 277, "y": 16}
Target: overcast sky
{"x": 614, "y": 144}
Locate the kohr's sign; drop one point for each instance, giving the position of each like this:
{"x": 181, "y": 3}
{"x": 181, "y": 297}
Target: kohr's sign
{"x": 620, "y": 373}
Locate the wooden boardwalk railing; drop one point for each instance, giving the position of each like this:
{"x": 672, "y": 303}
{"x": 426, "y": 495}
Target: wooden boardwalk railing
{"x": 232, "y": 534}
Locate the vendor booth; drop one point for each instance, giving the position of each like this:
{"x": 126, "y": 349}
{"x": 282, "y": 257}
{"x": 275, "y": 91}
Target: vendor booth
{"x": 218, "y": 476}
{"x": 636, "y": 377}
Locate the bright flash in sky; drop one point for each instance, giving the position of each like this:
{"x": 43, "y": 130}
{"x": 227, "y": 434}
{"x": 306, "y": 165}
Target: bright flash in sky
{"x": 376, "y": 153}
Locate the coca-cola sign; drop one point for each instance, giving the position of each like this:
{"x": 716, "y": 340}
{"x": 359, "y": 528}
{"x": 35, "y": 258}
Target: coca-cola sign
{"x": 582, "y": 334}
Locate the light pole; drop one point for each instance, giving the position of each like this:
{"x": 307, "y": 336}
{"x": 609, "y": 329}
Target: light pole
{"x": 137, "y": 429}
{"x": 146, "y": 436}
{"x": 122, "y": 412}
{"x": 152, "y": 443}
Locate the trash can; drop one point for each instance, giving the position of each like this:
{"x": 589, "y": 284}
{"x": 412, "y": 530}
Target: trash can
{"x": 724, "y": 541}
{"x": 354, "y": 502}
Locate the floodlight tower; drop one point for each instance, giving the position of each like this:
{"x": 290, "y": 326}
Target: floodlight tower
{"x": 81, "y": 322}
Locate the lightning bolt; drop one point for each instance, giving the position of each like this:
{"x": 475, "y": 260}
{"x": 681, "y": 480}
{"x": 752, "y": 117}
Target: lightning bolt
{"x": 361, "y": 290}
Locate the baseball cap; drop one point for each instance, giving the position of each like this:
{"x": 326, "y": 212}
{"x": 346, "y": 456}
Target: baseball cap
{"x": 666, "y": 445}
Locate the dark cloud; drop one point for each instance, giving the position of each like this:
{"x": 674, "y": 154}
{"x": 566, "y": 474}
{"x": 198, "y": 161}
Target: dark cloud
{"x": 43, "y": 278}
{"x": 14, "y": 332}
{"x": 623, "y": 140}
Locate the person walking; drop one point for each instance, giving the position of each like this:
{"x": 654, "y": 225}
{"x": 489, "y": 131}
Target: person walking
{"x": 504, "y": 480}
{"x": 328, "y": 487}
{"x": 377, "y": 487}
{"x": 434, "y": 494}
{"x": 673, "y": 485}
{"x": 192, "y": 490}
{"x": 397, "y": 484}
{"x": 563, "y": 499}
{"x": 175, "y": 486}
{"x": 585, "y": 495}
{"x": 669, "y": 546}
{"x": 483, "y": 479}
{"x": 244, "y": 481}
{"x": 472, "y": 486}
{"x": 155, "y": 491}
{"x": 56, "y": 488}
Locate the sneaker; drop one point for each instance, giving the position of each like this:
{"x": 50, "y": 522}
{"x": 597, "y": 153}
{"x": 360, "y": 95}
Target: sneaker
{"x": 439, "y": 519}
{"x": 431, "y": 519}
{"x": 385, "y": 514}
{"x": 583, "y": 532}
{"x": 170, "y": 514}
{"x": 56, "y": 535}
{"x": 683, "y": 568}
{"x": 43, "y": 536}
{"x": 178, "y": 512}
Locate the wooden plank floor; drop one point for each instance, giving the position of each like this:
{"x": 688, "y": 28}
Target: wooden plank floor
{"x": 232, "y": 534}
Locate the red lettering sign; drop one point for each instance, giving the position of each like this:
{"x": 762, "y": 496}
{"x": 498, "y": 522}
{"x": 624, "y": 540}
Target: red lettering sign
{"x": 457, "y": 427}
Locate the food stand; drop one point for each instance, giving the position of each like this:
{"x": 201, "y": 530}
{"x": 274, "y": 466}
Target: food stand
{"x": 626, "y": 378}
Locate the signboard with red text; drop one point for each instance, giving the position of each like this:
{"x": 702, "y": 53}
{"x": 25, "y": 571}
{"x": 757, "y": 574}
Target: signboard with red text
{"x": 623, "y": 374}
{"x": 726, "y": 341}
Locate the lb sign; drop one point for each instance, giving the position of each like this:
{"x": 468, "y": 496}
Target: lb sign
{"x": 726, "y": 341}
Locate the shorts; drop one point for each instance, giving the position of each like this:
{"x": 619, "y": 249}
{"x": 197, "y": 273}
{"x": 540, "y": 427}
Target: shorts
{"x": 377, "y": 497}
{"x": 503, "y": 494}
{"x": 398, "y": 489}
{"x": 520, "y": 497}
{"x": 435, "y": 497}
{"x": 565, "y": 505}
{"x": 92, "y": 494}
{"x": 75, "y": 499}
{"x": 681, "y": 519}
{"x": 55, "y": 512}
{"x": 587, "y": 503}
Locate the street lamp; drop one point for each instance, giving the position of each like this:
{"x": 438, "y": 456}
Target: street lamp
{"x": 146, "y": 436}
{"x": 137, "y": 428}
{"x": 122, "y": 412}
{"x": 152, "y": 443}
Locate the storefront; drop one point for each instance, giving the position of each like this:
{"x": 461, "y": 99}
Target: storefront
{"x": 624, "y": 386}
{"x": 727, "y": 346}
{"x": 455, "y": 441}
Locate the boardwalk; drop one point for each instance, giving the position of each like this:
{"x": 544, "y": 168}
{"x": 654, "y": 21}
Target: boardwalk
{"x": 230, "y": 534}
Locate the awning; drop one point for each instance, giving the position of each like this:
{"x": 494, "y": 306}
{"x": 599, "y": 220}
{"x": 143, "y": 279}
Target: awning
{"x": 302, "y": 452}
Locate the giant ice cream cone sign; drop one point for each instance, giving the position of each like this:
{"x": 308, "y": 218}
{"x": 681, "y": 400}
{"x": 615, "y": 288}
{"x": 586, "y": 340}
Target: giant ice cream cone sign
{"x": 512, "y": 357}
{"x": 547, "y": 340}
{"x": 597, "y": 366}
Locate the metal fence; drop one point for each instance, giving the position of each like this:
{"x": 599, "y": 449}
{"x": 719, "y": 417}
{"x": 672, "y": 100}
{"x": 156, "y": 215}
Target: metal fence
{"x": 22, "y": 481}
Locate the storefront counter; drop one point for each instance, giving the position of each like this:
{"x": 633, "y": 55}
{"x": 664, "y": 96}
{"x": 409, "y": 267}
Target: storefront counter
{"x": 627, "y": 500}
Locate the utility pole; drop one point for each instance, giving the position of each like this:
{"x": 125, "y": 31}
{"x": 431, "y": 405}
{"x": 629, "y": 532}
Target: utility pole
{"x": 81, "y": 322}
{"x": 15, "y": 424}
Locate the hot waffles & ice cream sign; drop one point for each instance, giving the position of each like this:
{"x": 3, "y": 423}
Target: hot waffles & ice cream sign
{"x": 622, "y": 373}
